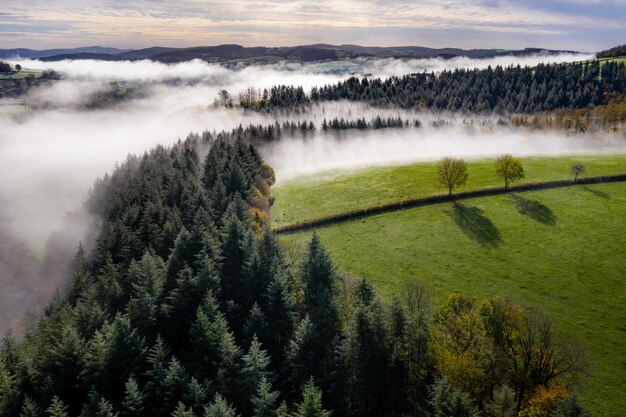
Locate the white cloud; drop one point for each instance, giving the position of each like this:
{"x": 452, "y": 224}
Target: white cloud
{"x": 277, "y": 23}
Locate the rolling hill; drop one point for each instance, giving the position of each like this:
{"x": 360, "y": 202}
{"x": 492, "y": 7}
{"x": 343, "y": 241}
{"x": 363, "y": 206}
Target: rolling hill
{"x": 560, "y": 250}
{"x": 302, "y": 53}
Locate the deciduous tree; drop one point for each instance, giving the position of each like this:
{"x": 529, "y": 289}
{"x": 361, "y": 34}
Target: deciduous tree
{"x": 451, "y": 173}
{"x": 510, "y": 169}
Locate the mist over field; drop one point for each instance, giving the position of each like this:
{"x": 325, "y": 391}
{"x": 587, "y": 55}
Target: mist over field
{"x": 51, "y": 155}
{"x": 352, "y": 150}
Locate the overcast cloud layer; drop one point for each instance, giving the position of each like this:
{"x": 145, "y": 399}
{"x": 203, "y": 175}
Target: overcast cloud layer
{"x": 558, "y": 24}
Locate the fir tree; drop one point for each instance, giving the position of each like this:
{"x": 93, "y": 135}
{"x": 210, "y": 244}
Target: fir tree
{"x": 311, "y": 405}
{"x": 57, "y": 408}
{"x": 264, "y": 400}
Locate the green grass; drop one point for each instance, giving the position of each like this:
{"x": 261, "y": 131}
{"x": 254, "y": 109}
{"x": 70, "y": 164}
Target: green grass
{"x": 321, "y": 195}
{"x": 560, "y": 249}
{"x": 615, "y": 59}
{"x": 20, "y": 75}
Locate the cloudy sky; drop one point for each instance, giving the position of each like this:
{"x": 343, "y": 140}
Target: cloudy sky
{"x": 585, "y": 25}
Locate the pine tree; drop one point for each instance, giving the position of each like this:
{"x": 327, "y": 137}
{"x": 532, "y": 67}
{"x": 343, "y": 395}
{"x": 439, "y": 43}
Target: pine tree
{"x": 264, "y": 400}
{"x": 279, "y": 317}
{"x": 80, "y": 279}
{"x": 255, "y": 364}
{"x": 448, "y": 401}
{"x": 196, "y": 395}
{"x": 301, "y": 354}
{"x": 219, "y": 408}
{"x": 175, "y": 385}
{"x": 158, "y": 361}
{"x": 182, "y": 411}
{"x": 8, "y": 390}
{"x": 255, "y": 327}
{"x": 367, "y": 359}
{"x": 229, "y": 378}
{"x": 98, "y": 406}
{"x": 30, "y": 408}
{"x": 311, "y": 405}
{"x": 320, "y": 298}
{"x": 114, "y": 353}
{"x": 265, "y": 265}
{"x": 133, "y": 404}
{"x": 57, "y": 408}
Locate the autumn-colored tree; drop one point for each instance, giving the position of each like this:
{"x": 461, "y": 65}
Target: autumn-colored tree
{"x": 543, "y": 401}
{"x": 451, "y": 173}
{"x": 510, "y": 169}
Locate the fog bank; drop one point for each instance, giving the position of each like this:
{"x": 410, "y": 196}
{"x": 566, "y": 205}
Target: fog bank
{"x": 53, "y": 148}
{"x": 353, "y": 150}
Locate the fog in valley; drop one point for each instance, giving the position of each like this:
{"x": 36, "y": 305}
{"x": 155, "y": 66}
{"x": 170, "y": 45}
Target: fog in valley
{"x": 53, "y": 146}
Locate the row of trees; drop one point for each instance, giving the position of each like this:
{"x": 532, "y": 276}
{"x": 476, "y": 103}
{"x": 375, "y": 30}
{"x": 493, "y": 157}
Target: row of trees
{"x": 614, "y": 52}
{"x": 362, "y": 124}
{"x": 500, "y": 90}
{"x": 6, "y": 67}
{"x": 189, "y": 306}
{"x": 452, "y": 172}
{"x": 610, "y": 117}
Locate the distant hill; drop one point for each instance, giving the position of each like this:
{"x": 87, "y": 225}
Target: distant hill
{"x": 31, "y": 53}
{"x": 424, "y": 52}
{"x": 613, "y": 52}
{"x": 226, "y": 53}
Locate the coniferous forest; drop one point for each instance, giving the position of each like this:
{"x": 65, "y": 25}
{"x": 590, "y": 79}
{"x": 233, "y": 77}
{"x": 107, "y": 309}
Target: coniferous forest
{"x": 190, "y": 306}
{"x": 502, "y": 90}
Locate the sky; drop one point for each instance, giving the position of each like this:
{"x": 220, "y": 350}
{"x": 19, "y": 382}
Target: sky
{"x": 582, "y": 25}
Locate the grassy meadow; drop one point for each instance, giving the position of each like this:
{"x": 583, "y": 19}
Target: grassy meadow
{"x": 335, "y": 192}
{"x": 562, "y": 250}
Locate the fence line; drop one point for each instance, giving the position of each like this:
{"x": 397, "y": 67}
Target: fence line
{"x": 425, "y": 201}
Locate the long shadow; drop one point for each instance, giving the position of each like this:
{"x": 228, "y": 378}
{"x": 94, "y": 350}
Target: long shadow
{"x": 597, "y": 193}
{"x": 534, "y": 209}
{"x": 476, "y": 225}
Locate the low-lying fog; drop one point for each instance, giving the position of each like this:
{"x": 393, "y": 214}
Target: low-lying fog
{"x": 350, "y": 150}
{"x": 50, "y": 156}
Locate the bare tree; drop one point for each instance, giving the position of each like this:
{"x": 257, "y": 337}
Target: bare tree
{"x": 577, "y": 169}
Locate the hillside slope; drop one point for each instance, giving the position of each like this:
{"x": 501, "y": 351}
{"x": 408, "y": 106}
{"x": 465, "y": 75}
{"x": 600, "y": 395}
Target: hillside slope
{"x": 561, "y": 250}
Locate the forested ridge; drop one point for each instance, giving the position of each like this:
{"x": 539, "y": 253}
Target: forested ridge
{"x": 501, "y": 90}
{"x": 190, "y": 306}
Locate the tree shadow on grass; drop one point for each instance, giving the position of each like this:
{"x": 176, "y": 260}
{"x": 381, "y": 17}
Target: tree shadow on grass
{"x": 475, "y": 225}
{"x": 597, "y": 193}
{"x": 534, "y": 209}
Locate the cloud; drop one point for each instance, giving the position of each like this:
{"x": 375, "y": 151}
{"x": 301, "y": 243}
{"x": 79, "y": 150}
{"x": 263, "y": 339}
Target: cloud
{"x": 550, "y": 23}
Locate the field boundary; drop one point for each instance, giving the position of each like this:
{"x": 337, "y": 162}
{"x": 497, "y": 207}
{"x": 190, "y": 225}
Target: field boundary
{"x": 437, "y": 199}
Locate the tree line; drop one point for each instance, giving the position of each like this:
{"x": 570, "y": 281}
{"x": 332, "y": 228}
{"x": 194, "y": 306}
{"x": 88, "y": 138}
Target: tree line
{"x": 452, "y": 172}
{"x": 190, "y": 306}
{"x": 513, "y": 89}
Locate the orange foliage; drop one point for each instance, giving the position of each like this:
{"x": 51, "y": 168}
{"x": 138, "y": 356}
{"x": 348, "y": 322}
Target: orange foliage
{"x": 543, "y": 401}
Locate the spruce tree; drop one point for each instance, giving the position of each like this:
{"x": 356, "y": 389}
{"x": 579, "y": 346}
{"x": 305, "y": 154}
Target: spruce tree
{"x": 182, "y": 411}
{"x": 57, "y": 408}
{"x": 219, "y": 408}
{"x": 133, "y": 403}
{"x": 311, "y": 404}
{"x": 30, "y": 408}
{"x": 264, "y": 400}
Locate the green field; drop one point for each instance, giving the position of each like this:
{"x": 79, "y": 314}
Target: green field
{"x": 18, "y": 75}
{"x": 561, "y": 249}
{"x": 335, "y": 192}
